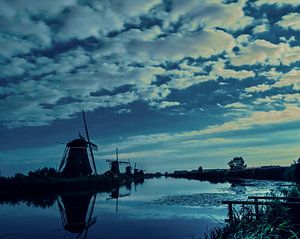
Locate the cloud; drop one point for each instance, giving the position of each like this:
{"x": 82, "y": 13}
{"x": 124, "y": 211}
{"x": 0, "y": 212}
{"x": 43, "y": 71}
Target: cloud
{"x": 259, "y": 51}
{"x": 261, "y": 28}
{"x": 277, "y": 3}
{"x": 124, "y": 111}
{"x": 30, "y": 111}
{"x": 219, "y": 70}
{"x": 166, "y": 104}
{"x": 291, "y": 78}
{"x": 258, "y": 88}
{"x": 290, "y": 21}
{"x": 13, "y": 8}
{"x": 236, "y": 105}
{"x": 288, "y": 79}
{"x": 81, "y": 22}
{"x": 204, "y": 44}
{"x": 208, "y": 14}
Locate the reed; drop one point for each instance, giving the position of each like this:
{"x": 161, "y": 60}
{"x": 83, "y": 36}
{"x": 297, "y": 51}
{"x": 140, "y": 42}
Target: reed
{"x": 274, "y": 221}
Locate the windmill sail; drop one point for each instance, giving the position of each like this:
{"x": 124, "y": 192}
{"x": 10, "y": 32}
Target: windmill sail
{"x": 89, "y": 142}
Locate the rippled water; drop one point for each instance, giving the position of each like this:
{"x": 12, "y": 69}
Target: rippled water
{"x": 159, "y": 208}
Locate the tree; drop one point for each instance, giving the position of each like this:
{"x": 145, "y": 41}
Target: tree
{"x": 43, "y": 173}
{"x": 200, "y": 169}
{"x": 237, "y": 163}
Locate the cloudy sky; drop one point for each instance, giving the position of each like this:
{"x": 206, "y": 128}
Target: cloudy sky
{"x": 174, "y": 84}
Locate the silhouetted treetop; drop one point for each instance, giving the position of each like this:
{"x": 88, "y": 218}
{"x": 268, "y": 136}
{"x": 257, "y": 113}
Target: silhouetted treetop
{"x": 237, "y": 163}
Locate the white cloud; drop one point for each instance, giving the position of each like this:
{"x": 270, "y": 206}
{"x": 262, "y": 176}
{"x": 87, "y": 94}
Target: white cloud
{"x": 258, "y": 88}
{"x": 291, "y": 78}
{"x": 258, "y": 118}
{"x": 220, "y": 70}
{"x": 277, "y": 3}
{"x": 166, "y": 104}
{"x": 261, "y": 28}
{"x": 259, "y": 51}
{"x": 291, "y": 21}
{"x": 183, "y": 83}
{"x": 236, "y": 105}
{"x": 124, "y": 111}
{"x": 208, "y": 14}
{"x": 176, "y": 46}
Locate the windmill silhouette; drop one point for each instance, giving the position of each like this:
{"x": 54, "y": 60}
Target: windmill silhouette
{"x": 75, "y": 160}
{"x": 115, "y": 164}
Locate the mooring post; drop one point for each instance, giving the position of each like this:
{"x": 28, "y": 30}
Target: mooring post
{"x": 230, "y": 212}
{"x": 256, "y": 207}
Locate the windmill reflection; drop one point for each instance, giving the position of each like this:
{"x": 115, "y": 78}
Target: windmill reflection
{"x": 76, "y": 211}
{"x": 115, "y": 194}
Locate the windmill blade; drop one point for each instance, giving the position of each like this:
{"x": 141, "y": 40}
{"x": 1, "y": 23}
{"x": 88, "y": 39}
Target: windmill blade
{"x": 81, "y": 137}
{"x": 88, "y": 139}
{"x": 94, "y": 146}
{"x": 63, "y": 160}
{"x": 79, "y": 235}
{"x": 117, "y": 204}
{"x": 89, "y": 223}
{"x": 93, "y": 221}
{"x": 124, "y": 195}
{"x": 62, "y": 212}
{"x": 117, "y": 154}
{"x": 123, "y": 162}
{"x": 110, "y": 160}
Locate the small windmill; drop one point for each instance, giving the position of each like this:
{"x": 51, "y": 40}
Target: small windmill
{"x": 75, "y": 160}
{"x": 115, "y": 164}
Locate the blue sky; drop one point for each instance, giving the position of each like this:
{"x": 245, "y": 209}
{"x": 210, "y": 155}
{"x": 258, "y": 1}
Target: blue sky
{"x": 173, "y": 84}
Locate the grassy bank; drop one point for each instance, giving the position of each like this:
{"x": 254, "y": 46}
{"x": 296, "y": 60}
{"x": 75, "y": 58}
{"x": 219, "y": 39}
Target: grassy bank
{"x": 274, "y": 221}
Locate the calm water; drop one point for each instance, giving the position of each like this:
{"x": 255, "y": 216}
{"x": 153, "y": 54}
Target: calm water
{"x": 159, "y": 208}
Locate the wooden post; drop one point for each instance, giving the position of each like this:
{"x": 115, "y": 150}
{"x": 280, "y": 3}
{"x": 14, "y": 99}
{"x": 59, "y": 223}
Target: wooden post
{"x": 230, "y": 212}
{"x": 256, "y": 208}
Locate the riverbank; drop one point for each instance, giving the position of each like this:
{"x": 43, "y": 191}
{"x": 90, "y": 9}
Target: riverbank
{"x": 223, "y": 175}
{"x": 59, "y": 184}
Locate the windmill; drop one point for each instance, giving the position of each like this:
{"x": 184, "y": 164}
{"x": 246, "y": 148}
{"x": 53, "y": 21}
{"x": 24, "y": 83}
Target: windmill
{"x": 76, "y": 211}
{"x": 115, "y": 164}
{"x": 75, "y": 160}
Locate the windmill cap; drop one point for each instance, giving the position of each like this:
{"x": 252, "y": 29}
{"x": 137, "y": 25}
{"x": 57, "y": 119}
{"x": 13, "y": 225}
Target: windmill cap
{"x": 77, "y": 143}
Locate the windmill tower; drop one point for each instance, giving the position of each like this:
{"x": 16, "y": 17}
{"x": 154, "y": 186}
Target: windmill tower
{"x": 115, "y": 164}
{"x": 75, "y": 160}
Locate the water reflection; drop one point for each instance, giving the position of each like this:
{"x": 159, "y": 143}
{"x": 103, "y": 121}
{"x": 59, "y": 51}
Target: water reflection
{"x": 238, "y": 188}
{"x": 115, "y": 194}
{"x": 76, "y": 211}
{"x": 159, "y": 208}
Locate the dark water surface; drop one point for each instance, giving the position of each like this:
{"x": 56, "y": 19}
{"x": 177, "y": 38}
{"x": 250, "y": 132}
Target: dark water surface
{"x": 158, "y": 208}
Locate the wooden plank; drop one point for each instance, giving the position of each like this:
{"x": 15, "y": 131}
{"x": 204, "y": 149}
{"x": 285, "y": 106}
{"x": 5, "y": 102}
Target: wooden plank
{"x": 274, "y": 198}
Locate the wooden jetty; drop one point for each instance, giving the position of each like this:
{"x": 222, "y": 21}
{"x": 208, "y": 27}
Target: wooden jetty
{"x": 284, "y": 201}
